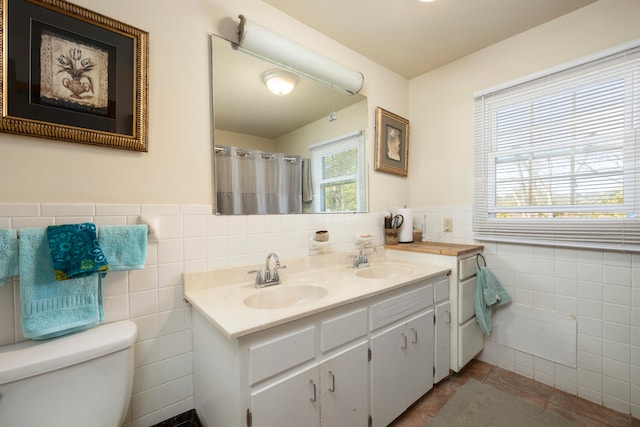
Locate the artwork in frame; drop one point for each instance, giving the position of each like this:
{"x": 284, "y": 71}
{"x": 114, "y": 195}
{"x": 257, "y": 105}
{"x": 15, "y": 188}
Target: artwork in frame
{"x": 392, "y": 143}
{"x": 74, "y": 75}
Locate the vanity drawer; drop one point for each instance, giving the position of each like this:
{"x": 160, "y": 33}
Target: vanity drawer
{"x": 392, "y": 309}
{"x": 470, "y": 341}
{"x": 441, "y": 290}
{"x": 282, "y": 353}
{"x": 467, "y": 301}
{"x": 340, "y": 330}
{"x": 467, "y": 267}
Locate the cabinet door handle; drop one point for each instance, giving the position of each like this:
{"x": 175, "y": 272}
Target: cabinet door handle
{"x": 313, "y": 391}
{"x": 332, "y": 377}
{"x": 404, "y": 341}
{"x": 448, "y": 321}
{"x": 415, "y": 336}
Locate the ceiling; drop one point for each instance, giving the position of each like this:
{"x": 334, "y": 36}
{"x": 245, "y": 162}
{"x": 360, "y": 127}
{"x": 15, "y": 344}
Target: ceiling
{"x": 412, "y": 37}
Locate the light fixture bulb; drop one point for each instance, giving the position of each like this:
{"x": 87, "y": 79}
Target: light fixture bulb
{"x": 279, "y": 82}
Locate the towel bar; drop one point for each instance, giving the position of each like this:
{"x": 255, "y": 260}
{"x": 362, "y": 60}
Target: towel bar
{"x": 18, "y": 233}
{"x": 484, "y": 261}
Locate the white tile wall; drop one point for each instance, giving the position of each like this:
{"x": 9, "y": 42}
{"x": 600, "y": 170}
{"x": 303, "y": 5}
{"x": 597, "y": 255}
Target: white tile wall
{"x": 190, "y": 239}
{"x": 601, "y": 288}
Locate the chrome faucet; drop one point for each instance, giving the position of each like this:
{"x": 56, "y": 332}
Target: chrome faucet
{"x": 362, "y": 260}
{"x": 271, "y": 277}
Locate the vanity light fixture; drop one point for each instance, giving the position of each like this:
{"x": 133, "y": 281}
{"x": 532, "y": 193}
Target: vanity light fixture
{"x": 261, "y": 42}
{"x": 279, "y": 82}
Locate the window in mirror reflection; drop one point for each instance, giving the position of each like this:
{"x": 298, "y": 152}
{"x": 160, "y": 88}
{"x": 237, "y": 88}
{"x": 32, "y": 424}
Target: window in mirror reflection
{"x": 337, "y": 175}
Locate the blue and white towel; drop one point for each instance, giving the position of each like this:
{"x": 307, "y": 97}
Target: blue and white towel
{"x": 75, "y": 250}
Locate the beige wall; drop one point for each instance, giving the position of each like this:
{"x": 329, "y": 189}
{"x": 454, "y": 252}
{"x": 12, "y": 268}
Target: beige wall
{"x": 178, "y": 166}
{"x": 298, "y": 141}
{"x": 441, "y": 102}
{"x": 223, "y": 137}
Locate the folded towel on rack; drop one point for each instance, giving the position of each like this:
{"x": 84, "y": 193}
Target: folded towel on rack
{"x": 8, "y": 254}
{"x": 125, "y": 246}
{"x": 75, "y": 250}
{"x": 51, "y": 308}
{"x": 489, "y": 293}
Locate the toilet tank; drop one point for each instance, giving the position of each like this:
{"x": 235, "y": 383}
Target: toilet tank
{"x": 82, "y": 379}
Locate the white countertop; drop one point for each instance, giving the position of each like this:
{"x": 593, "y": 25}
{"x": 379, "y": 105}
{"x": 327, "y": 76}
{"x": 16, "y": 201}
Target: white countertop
{"x": 220, "y": 294}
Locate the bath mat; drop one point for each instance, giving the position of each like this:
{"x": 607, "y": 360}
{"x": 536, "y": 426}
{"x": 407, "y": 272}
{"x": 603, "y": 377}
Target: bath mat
{"x": 478, "y": 404}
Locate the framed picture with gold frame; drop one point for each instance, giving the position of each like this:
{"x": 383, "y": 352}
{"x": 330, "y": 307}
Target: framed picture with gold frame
{"x": 392, "y": 143}
{"x": 74, "y": 75}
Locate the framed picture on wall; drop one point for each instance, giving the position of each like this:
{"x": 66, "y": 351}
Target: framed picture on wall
{"x": 392, "y": 143}
{"x": 72, "y": 74}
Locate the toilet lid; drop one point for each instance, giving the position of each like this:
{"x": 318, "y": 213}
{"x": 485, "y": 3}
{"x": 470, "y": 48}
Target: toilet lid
{"x": 29, "y": 358}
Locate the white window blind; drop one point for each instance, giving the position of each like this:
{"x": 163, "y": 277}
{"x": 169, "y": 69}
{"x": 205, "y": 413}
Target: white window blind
{"x": 557, "y": 158}
{"x": 338, "y": 174}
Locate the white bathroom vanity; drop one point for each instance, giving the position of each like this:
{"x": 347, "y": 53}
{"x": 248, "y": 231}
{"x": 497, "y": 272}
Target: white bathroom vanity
{"x": 349, "y": 348}
{"x": 467, "y": 339}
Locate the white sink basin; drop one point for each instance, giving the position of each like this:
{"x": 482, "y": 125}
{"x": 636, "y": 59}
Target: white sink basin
{"x": 285, "y": 296}
{"x": 384, "y": 272}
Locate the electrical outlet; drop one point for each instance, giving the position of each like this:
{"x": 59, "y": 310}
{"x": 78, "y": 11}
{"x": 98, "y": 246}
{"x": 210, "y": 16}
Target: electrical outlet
{"x": 448, "y": 225}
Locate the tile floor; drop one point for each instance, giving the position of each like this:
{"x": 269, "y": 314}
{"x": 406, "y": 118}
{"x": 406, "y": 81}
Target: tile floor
{"x": 571, "y": 407}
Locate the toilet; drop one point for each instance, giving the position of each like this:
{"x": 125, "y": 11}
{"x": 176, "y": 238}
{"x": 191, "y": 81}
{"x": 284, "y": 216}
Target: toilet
{"x": 81, "y": 379}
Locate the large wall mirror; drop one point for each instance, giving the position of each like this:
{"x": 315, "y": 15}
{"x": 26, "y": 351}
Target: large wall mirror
{"x": 315, "y": 131}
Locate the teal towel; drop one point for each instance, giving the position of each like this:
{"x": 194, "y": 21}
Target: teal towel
{"x": 8, "y": 254}
{"x": 75, "y": 251}
{"x": 125, "y": 246}
{"x": 51, "y": 308}
{"x": 489, "y": 293}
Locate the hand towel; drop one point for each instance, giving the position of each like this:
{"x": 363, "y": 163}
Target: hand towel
{"x": 125, "y": 246}
{"x": 8, "y": 254}
{"x": 75, "y": 250}
{"x": 51, "y": 308}
{"x": 489, "y": 293}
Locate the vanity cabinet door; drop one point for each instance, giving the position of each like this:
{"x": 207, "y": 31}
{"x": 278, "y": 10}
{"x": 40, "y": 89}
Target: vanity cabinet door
{"x": 344, "y": 383}
{"x": 401, "y": 366}
{"x": 388, "y": 374}
{"x": 334, "y": 393}
{"x": 292, "y": 401}
{"x": 442, "y": 341}
{"x": 419, "y": 356}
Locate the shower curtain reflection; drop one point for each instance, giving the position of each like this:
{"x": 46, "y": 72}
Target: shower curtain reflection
{"x": 257, "y": 182}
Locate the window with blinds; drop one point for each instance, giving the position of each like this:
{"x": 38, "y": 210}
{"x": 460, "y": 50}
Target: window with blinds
{"x": 557, "y": 159}
{"x": 337, "y": 170}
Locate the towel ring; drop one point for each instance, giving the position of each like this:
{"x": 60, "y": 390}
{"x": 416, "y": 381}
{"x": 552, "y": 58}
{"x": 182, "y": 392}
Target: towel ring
{"x": 484, "y": 261}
